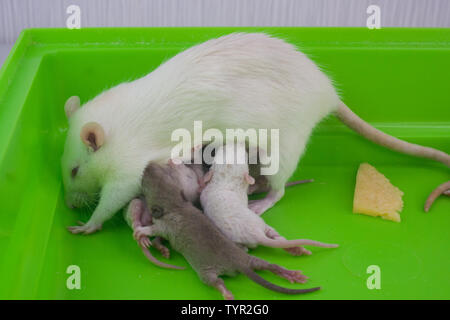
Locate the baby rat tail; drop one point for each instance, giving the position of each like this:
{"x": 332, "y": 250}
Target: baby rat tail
{"x": 283, "y": 243}
{"x": 155, "y": 261}
{"x": 266, "y": 284}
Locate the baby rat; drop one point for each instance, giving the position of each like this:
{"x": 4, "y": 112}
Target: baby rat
{"x": 209, "y": 252}
{"x": 189, "y": 177}
{"x": 225, "y": 201}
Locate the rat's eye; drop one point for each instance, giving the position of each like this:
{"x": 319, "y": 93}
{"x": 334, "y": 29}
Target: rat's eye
{"x": 157, "y": 211}
{"x": 74, "y": 172}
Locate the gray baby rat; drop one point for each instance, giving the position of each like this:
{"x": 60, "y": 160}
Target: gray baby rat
{"x": 195, "y": 236}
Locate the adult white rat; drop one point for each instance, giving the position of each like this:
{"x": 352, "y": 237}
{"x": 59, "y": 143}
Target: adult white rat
{"x": 224, "y": 200}
{"x": 241, "y": 80}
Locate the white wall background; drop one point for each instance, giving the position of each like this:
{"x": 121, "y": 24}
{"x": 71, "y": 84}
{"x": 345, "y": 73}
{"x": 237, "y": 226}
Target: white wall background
{"x": 18, "y": 14}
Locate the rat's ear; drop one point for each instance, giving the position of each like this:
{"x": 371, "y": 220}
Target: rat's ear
{"x": 156, "y": 211}
{"x": 72, "y": 104}
{"x": 93, "y": 135}
{"x": 174, "y": 162}
{"x": 249, "y": 178}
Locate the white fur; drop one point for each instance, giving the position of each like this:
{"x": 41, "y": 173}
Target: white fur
{"x": 236, "y": 81}
{"x": 224, "y": 200}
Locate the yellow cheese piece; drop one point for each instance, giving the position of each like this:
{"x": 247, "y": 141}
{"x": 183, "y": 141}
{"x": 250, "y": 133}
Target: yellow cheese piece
{"x": 375, "y": 195}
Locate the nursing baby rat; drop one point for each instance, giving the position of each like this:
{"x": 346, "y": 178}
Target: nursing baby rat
{"x": 189, "y": 177}
{"x": 225, "y": 201}
{"x": 209, "y": 252}
{"x": 240, "y": 80}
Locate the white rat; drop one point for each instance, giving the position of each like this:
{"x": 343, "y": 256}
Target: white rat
{"x": 224, "y": 200}
{"x": 241, "y": 80}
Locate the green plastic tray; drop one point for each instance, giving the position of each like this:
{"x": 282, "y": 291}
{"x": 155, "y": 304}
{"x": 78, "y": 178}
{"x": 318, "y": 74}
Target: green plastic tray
{"x": 397, "y": 79}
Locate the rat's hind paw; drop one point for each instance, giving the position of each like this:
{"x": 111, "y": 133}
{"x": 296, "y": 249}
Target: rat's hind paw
{"x": 298, "y": 251}
{"x": 295, "y": 276}
{"x": 291, "y": 275}
{"x": 157, "y": 244}
{"x": 84, "y": 228}
{"x": 165, "y": 252}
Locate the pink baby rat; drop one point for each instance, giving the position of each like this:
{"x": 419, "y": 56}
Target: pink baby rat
{"x": 225, "y": 202}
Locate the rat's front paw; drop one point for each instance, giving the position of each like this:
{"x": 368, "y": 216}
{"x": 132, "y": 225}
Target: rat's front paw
{"x": 84, "y": 228}
{"x": 141, "y": 232}
{"x": 260, "y": 206}
{"x": 144, "y": 242}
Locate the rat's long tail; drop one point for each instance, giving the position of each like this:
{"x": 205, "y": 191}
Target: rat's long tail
{"x": 266, "y": 284}
{"x": 283, "y": 243}
{"x": 353, "y": 121}
{"x": 155, "y": 261}
{"x": 442, "y": 189}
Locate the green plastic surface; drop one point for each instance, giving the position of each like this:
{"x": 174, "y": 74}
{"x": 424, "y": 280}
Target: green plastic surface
{"x": 397, "y": 79}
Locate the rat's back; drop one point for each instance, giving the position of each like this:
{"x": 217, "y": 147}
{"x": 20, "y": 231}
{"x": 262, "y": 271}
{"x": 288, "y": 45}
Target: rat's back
{"x": 253, "y": 75}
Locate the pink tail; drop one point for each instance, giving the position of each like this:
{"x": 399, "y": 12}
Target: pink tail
{"x": 155, "y": 261}
{"x": 280, "y": 243}
{"x": 442, "y": 189}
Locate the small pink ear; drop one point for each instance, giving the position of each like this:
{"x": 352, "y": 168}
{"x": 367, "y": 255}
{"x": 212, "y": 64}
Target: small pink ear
{"x": 92, "y": 135}
{"x": 171, "y": 163}
{"x": 72, "y": 104}
{"x": 249, "y": 178}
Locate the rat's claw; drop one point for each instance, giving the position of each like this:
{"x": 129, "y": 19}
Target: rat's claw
{"x": 84, "y": 228}
{"x": 292, "y": 275}
{"x": 157, "y": 244}
{"x": 165, "y": 252}
{"x": 296, "y": 276}
{"x": 140, "y": 232}
{"x": 145, "y": 242}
